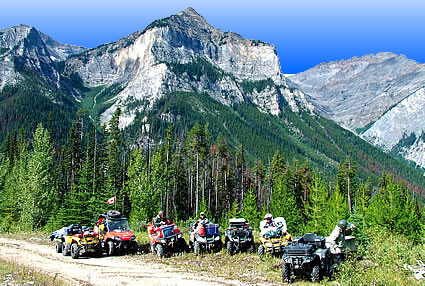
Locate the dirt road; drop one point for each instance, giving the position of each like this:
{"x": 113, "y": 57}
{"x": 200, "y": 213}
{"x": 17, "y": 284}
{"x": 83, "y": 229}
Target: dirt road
{"x": 123, "y": 270}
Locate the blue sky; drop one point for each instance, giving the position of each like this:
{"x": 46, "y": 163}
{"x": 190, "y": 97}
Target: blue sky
{"x": 305, "y": 32}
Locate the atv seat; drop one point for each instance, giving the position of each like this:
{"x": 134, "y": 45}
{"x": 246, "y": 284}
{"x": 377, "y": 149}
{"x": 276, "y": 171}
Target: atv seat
{"x": 309, "y": 238}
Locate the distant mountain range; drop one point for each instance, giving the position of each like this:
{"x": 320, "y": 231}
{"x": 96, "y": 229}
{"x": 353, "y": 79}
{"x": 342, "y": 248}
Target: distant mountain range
{"x": 181, "y": 70}
{"x": 380, "y": 97}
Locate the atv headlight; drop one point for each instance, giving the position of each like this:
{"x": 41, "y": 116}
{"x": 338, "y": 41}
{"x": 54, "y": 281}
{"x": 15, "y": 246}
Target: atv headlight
{"x": 117, "y": 238}
{"x": 217, "y": 238}
{"x": 132, "y": 237}
{"x": 268, "y": 244}
{"x": 179, "y": 236}
{"x": 201, "y": 239}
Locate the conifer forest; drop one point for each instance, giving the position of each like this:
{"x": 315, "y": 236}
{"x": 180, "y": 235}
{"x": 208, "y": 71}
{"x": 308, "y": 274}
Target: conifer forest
{"x": 44, "y": 186}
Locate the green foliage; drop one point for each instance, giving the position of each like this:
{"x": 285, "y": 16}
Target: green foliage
{"x": 316, "y": 207}
{"x": 196, "y": 69}
{"x": 249, "y": 86}
{"x": 38, "y": 193}
{"x": 386, "y": 255}
{"x": 250, "y": 209}
{"x": 393, "y": 208}
{"x": 284, "y": 204}
{"x": 336, "y": 210}
{"x": 158, "y": 23}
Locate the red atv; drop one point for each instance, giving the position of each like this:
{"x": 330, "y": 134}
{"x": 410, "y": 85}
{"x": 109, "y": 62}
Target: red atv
{"x": 115, "y": 234}
{"x": 166, "y": 239}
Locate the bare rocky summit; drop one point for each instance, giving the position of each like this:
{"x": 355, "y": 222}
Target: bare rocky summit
{"x": 378, "y": 96}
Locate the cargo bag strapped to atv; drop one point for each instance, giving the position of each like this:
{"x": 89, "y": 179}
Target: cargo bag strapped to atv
{"x": 274, "y": 240}
{"x": 166, "y": 240}
{"x": 239, "y": 237}
{"x": 205, "y": 238}
{"x": 306, "y": 256}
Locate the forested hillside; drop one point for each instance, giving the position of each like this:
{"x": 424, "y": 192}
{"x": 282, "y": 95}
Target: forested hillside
{"x": 45, "y": 187}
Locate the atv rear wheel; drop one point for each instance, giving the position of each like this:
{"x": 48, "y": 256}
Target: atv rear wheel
{"x": 230, "y": 247}
{"x": 58, "y": 247}
{"x": 160, "y": 251}
{"x": 196, "y": 247}
{"x": 75, "y": 251}
{"x": 315, "y": 273}
{"x": 286, "y": 273}
{"x": 261, "y": 251}
{"x": 251, "y": 248}
{"x": 111, "y": 248}
{"x": 65, "y": 249}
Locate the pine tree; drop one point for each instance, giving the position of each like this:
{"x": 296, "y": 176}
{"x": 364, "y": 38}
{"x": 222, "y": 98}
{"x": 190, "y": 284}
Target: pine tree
{"x": 283, "y": 204}
{"x": 337, "y": 209}
{"x": 315, "y": 207}
{"x": 250, "y": 209}
{"x": 39, "y": 190}
{"x": 347, "y": 173}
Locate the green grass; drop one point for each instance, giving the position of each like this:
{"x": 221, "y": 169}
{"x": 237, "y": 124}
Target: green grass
{"x": 14, "y": 274}
{"x": 104, "y": 99}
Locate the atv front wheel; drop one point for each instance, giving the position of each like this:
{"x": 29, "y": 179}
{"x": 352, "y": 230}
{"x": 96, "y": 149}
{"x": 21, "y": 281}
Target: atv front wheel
{"x": 75, "y": 251}
{"x": 134, "y": 247}
{"x": 58, "y": 247}
{"x": 111, "y": 248}
{"x": 261, "y": 251}
{"x": 230, "y": 247}
{"x": 183, "y": 246}
{"x": 65, "y": 249}
{"x": 196, "y": 247}
{"x": 315, "y": 273}
{"x": 286, "y": 273}
{"x": 160, "y": 251}
{"x": 251, "y": 248}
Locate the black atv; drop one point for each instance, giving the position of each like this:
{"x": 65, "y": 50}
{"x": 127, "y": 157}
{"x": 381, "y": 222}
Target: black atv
{"x": 306, "y": 256}
{"x": 239, "y": 236}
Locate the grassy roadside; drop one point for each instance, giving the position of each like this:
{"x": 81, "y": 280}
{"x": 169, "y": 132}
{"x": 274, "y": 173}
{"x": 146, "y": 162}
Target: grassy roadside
{"x": 15, "y": 274}
{"x": 380, "y": 261}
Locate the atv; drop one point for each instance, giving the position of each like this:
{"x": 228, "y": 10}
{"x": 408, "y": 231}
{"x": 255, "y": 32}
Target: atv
{"x": 62, "y": 235}
{"x": 239, "y": 236}
{"x": 205, "y": 238}
{"x": 273, "y": 244}
{"x": 84, "y": 243}
{"x": 76, "y": 241}
{"x": 306, "y": 256}
{"x": 115, "y": 233}
{"x": 166, "y": 239}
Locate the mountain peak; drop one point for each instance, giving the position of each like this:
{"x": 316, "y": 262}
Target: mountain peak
{"x": 190, "y": 12}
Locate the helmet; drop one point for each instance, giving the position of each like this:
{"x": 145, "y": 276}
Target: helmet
{"x": 202, "y": 213}
{"x": 161, "y": 213}
{"x": 343, "y": 223}
{"x": 268, "y": 216}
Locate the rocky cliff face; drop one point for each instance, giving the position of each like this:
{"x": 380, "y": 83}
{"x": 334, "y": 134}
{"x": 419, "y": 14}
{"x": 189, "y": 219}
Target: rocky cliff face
{"x": 23, "y": 48}
{"x": 184, "y": 53}
{"x": 380, "y": 96}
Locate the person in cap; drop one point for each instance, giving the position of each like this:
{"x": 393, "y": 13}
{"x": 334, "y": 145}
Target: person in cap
{"x": 202, "y": 220}
{"x": 337, "y": 239}
{"x": 160, "y": 219}
{"x": 267, "y": 224}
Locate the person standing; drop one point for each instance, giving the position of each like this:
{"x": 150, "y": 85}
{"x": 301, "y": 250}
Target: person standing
{"x": 337, "y": 240}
